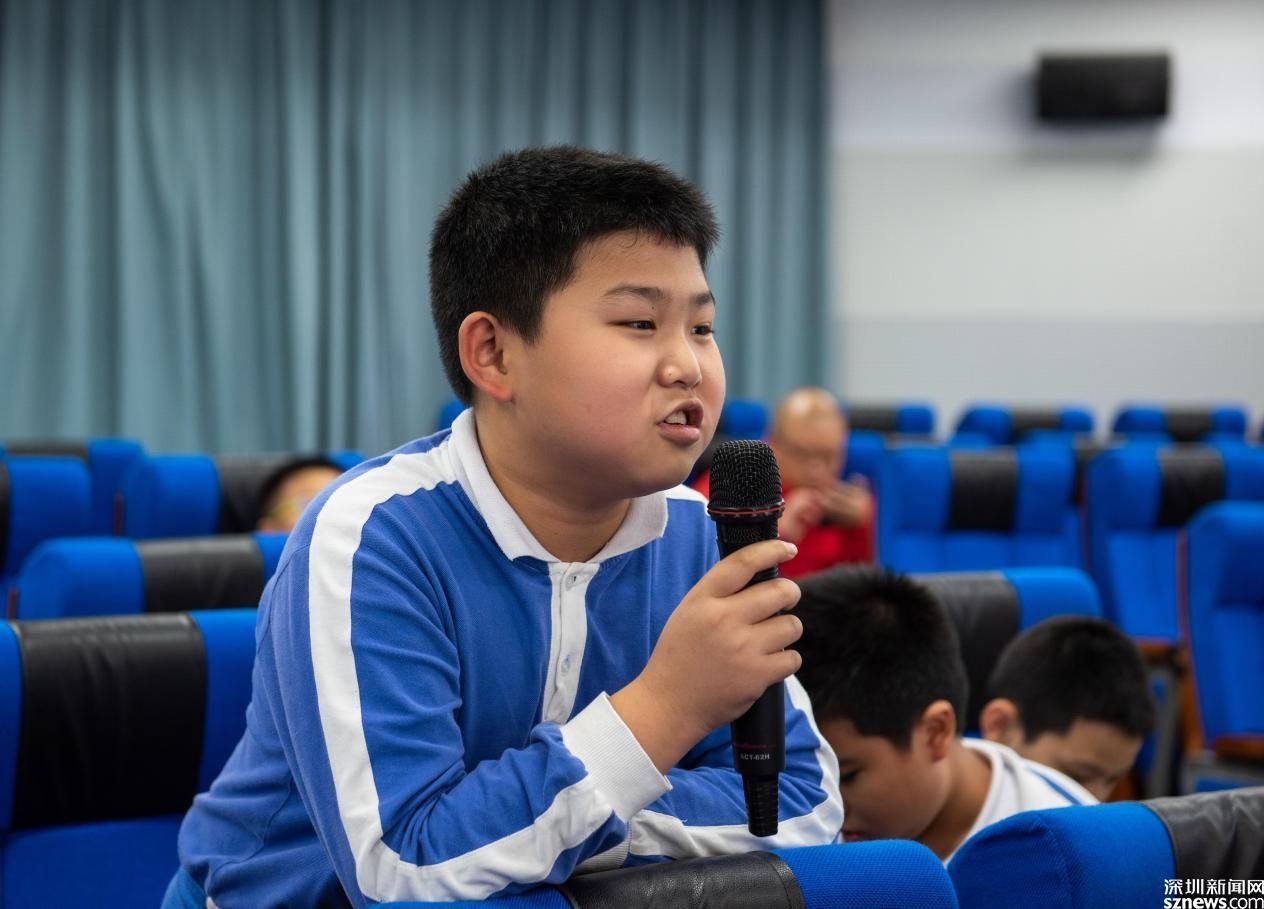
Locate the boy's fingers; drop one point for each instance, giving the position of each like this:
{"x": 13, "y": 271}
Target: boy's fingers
{"x": 779, "y": 632}
{"x": 734, "y": 572}
{"x": 755, "y": 604}
{"x": 784, "y": 664}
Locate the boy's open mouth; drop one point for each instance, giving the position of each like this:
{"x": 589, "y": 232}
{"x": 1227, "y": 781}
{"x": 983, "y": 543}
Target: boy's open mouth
{"x": 687, "y": 414}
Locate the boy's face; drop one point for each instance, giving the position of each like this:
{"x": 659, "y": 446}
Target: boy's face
{"x": 1094, "y": 754}
{"x": 888, "y": 792}
{"x": 624, "y": 350}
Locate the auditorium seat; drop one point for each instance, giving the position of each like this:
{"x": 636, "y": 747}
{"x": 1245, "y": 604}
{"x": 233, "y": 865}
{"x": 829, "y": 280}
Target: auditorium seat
{"x": 1181, "y": 423}
{"x": 944, "y": 509}
{"x": 988, "y": 609}
{"x": 107, "y": 460}
{"x": 743, "y": 418}
{"x": 1223, "y": 595}
{"x": 108, "y": 727}
{"x": 1116, "y": 855}
{"x": 904, "y": 419}
{"x": 448, "y": 412}
{"x": 198, "y": 495}
{"x": 895, "y": 874}
{"x": 40, "y": 498}
{"x": 1006, "y": 425}
{"x": 1138, "y": 500}
{"x": 116, "y": 576}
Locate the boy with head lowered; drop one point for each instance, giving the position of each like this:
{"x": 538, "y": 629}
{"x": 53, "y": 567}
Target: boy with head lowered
{"x": 883, "y": 667}
{"x": 506, "y": 652}
{"x": 1072, "y": 693}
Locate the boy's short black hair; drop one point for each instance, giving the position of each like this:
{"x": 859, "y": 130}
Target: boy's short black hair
{"x": 878, "y": 649}
{"x": 508, "y": 236}
{"x": 1074, "y": 667}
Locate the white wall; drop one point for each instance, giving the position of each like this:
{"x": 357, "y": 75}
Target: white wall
{"x": 980, "y": 255}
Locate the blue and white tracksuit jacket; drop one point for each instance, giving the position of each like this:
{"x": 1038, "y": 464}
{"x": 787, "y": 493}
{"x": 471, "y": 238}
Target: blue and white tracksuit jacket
{"x": 430, "y": 717}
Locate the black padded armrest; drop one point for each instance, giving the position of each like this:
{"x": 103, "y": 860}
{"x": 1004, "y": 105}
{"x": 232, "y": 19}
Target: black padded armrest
{"x": 756, "y": 880}
{"x": 1215, "y": 835}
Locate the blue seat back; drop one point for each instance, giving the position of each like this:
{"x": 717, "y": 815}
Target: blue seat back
{"x": 865, "y": 448}
{"x": 1224, "y": 596}
{"x": 1181, "y": 423}
{"x": 40, "y": 498}
{"x": 168, "y": 496}
{"x": 1090, "y": 857}
{"x": 1138, "y": 500}
{"x": 942, "y": 509}
{"x": 743, "y": 418}
{"x": 448, "y": 412}
{"x": 107, "y": 460}
{"x": 108, "y": 727}
{"x": 1006, "y": 425}
{"x": 115, "y": 576}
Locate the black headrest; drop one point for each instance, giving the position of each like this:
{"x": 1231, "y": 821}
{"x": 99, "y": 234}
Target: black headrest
{"x": 112, "y": 718}
{"x": 1189, "y": 480}
{"x": 1024, "y": 419}
{"x": 984, "y": 490}
{"x": 78, "y": 450}
{"x": 202, "y": 573}
{"x": 241, "y": 481}
{"x": 1188, "y": 424}
{"x": 756, "y": 880}
{"x": 985, "y": 611}
{"x": 874, "y": 417}
{"x": 1215, "y": 835}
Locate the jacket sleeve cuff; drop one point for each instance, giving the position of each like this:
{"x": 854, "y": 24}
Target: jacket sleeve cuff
{"x": 613, "y": 757}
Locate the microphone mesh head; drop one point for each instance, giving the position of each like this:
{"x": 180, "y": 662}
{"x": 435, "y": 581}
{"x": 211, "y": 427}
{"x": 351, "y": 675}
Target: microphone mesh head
{"x": 744, "y": 474}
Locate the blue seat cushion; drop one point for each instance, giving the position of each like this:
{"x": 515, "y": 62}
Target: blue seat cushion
{"x": 1090, "y": 857}
{"x": 113, "y": 863}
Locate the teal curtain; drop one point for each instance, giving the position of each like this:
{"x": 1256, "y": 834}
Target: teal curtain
{"x": 214, "y": 216}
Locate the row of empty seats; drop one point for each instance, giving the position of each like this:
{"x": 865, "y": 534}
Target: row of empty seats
{"x": 110, "y": 487}
{"x": 1119, "y": 514}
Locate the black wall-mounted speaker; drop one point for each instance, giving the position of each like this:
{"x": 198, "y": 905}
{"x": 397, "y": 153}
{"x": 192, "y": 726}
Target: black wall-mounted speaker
{"x": 1103, "y": 87}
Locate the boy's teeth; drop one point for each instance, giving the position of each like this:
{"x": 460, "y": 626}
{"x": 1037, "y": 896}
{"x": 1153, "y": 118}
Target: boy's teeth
{"x": 677, "y": 417}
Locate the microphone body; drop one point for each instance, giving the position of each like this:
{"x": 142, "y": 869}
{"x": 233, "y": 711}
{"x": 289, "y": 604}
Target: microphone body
{"x": 745, "y": 505}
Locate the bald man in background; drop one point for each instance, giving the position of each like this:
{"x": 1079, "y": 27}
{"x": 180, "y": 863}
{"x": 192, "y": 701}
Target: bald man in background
{"x": 831, "y": 521}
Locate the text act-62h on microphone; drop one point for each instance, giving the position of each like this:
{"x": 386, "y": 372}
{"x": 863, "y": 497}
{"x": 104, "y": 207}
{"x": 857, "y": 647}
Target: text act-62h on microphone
{"x": 746, "y": 504}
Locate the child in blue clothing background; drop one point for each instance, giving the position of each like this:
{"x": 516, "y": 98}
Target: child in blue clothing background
{"x": 508, "y": 652}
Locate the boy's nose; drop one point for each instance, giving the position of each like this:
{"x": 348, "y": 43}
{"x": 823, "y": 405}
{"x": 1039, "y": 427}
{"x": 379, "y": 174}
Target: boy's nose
{"x": 681, "y": 366}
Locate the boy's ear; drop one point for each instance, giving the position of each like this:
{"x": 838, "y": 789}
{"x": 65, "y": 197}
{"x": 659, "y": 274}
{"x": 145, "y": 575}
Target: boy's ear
{"x": 999, "y": 722}
{"x": 939, "y": 727}
{"x": 481, "y": 344}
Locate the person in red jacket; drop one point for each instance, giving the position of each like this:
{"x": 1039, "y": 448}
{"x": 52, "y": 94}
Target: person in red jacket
{"x": 830, "y": 520}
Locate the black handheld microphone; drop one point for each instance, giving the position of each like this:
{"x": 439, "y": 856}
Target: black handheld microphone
{"x": 745, "y": 505}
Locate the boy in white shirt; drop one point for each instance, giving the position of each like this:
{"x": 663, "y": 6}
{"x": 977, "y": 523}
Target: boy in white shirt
{"x": 883, "y": 668}
{"x": 1072, "y": 693}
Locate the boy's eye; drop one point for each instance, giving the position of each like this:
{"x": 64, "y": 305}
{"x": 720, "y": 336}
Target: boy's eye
{"x": 848, "y": 777}
{"x": 640, "y": 324}
{"x": 704, "y": 330}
